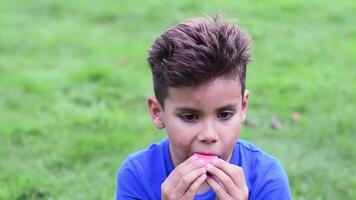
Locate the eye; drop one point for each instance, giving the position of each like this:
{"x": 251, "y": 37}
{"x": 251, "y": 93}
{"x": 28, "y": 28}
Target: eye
{"x": 189, "y": 117}
{"x": 225, "y": 115}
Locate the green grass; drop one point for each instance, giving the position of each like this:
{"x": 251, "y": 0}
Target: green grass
{"x": 74, "y": 79}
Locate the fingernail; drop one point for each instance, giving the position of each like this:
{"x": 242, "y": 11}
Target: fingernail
{"x": 195, "y": 157}
{"x": 215, "y": 160}
{"x": 209, "y": 166}
{"x": 201, "y": 161}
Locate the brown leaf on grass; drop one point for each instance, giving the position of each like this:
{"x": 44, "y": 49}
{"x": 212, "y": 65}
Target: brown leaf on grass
{"x": 122, "y": 61}
{"x": 295, "y": 116}
{"x": 276, "y": 123}
{"x": 252, "y": 122}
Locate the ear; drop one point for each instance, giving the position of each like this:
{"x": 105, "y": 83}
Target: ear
{"x": 156, "y": 112}
{"x": 245, "y": 104}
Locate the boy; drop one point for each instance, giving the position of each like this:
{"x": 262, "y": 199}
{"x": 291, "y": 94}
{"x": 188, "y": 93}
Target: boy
{"x": 198, "y": 70}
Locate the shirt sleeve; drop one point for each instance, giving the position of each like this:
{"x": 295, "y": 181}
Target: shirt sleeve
{"x": 128, "y": 185}
{"x": 274, "y": 185}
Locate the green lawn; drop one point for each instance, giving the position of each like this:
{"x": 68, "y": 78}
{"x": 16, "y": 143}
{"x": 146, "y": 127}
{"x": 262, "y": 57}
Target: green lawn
{"x": 74, "y": 78}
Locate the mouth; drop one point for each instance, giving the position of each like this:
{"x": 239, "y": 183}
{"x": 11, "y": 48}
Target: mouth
{"x": 206, "y": 153}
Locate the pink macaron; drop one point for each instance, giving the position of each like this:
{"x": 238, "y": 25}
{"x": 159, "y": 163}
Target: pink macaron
{"x": 207, "y": 158}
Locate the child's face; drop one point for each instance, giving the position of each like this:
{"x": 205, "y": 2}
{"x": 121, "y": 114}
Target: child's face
{"x": 204, "y": 119}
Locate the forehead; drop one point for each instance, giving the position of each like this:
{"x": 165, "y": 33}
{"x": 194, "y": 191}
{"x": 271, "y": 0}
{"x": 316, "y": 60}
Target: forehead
{"x": 216, "y": 93}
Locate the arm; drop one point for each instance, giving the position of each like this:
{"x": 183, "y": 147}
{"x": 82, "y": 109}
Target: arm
{"x": 128, "y": 186}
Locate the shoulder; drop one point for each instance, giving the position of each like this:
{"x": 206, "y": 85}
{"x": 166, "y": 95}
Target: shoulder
{"x": 137, "y": 176}
{"x": 255, "y": 158}
{"x": 248, "y": 146}
{"x": 265, "y": 174}
{"x": 144, "y": 157}
{"x": 254, "y": 155}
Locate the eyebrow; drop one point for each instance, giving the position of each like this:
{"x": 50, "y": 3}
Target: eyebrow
{"x": 193, "y": 110}
{"x": 229, "y": 107}
{"x": 187, "y": 109}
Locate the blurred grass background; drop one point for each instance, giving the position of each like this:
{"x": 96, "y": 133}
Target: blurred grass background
{"x": 74, "y": 79}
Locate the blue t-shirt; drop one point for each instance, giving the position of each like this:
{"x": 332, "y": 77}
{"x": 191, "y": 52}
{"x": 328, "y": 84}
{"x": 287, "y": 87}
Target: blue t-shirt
{"x": 142, "y": 173}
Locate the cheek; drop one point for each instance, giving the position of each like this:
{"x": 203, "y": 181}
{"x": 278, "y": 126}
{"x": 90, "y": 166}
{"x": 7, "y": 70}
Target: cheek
{"x": 231, "y": 131}
{"x": 235, "y": 123}
{"x": 180, "y": 133}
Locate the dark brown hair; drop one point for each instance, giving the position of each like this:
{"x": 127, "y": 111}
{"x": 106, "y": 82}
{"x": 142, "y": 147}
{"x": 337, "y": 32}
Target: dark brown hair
{"x": 197, "y": 51}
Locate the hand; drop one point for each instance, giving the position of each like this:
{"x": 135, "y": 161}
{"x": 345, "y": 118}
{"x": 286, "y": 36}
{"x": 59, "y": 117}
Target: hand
{"x": 227, "y": 180}
{"x": 184, "y": 180}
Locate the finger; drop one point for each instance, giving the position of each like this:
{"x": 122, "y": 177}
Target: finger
{"x": 185, "y": 167}
{"x": 187, "y": 180}
{"x": 219, "y": 190}
{"x": 221, "y": 177}
{"x": 233, "y": 171}
{"x": 236, "y": 173}
{"x": 174, "y": 177}
{"x": 192, "y": 190}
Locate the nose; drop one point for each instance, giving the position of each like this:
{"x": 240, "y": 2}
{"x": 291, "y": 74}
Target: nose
{"x": 208, "y": 134}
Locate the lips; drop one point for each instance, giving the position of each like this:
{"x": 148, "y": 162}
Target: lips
{"x": 208, "y": 158}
